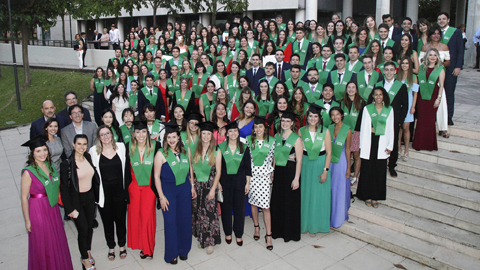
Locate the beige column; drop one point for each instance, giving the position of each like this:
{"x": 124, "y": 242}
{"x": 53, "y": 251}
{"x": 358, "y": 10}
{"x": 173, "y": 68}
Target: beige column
{"x": 412, "y": 10}
{"x": 473, "y": 24}
{"x": 347, "y": 9}
{"x": 460, "y": 18}
{"x": 311, "y": 9}
{"x": 383, "y": 7}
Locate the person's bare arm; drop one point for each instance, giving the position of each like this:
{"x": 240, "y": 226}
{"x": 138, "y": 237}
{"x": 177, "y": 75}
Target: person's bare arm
{"x": 25, "y": 193}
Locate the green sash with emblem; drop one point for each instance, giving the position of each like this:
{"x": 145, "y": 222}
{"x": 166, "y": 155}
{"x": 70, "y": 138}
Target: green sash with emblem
{"x": 282, "y": 151}
{"x": 313, "y": 147}
{"x": 232, "y": 159}
{"x": 259, "y": 154}
{"x": 301, "y": 51}
{"x": 151, "y": 98}
{"x": 339, "y": 87}
{"x": 179, "y": 168}
{"x": 183, "y": 100}
{"x": 448, "y": 35}
{"x": 51, "y": 185}
{"x": 428, "y": 85}
{"x": 364, "y": 88}
{"x": 197, "y": 87}
{"x": 99, "y": 84}
{"x": 350, "y": 116}
{"x": 143, "y": 170}
{"x": 379, "y": 121}
{"x": 339, "y": 143}
{"x": 173, "y": 85}
{"x": 202, "y": 169}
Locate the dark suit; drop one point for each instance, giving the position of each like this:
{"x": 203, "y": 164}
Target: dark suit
{"x": 456, "y": 47}
{"x": 285, "y": 66}
{"x": 396, "y": 31}
{"x": 85, "y": 47}
{"x": 254, "y": 80}
{"x": 400, "y": 110}
{"x": 68, "y": 134}
{"x": 399, "y": 36}
{"x": 159, "y": 106}
{"x": 36, "y": 127}
{"x": 64, "y": 113}
{"x": 97, "y": 38}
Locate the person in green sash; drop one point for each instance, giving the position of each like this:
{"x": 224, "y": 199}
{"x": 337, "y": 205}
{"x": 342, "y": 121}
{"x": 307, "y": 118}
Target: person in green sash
{"x": 179, "y": 117}
{"x": 176, "y": 189}
{"x": 340, "y": 77}
{"x": 431, "y": 80}
{"x": 198, "y": 81}
{"x": 406, "y": 48}
{"x": 320, "y": 35}
{"x": 341, "y": 135}
{"x": 231, "y": 81}
{"x": 376, "y": 144}
{"x": 368, "y": 77}
{"x": 222, "y": 97}
{"x": 302, "y": 47}
{"x": 353, "y": 65}
{"x": 423, "y": 29}
{"x": 362, "y": 41}
{"x": 316, "y": 55}
{"x": 352, "y": 106}
{"x": 98, "y": 86}
{"x": 285, "y": 203}
{"x": 109, "y": 119}
{"x": 47, "y": 242}
{"x": 207, "y": 101}
{"x": 371, "y": 26}
{"x": 234, "y": 182}
{"x": 281, "y": 105}
{"x": 330, "y": 29}
{"x": 127, "y": 129}
{"x": 388, "y": 55}
{"x": 173, "y": 83}
{"x": 290, "y": 30}
{"x": 133, "y": 96}
{"x": 299, "y": 105}
{"x": 280, "y": 89}
{"x": 207, "y": 165}
{"x": 264, "y": 101}
{"x": 220, "y": 118}
{"x": 375, "y": 50}
{"x": 191, "y": 134}
{"x": 79, "y": 188}
{"x": 155, "y": 127}
{"x": 315, "y": 180}
{"x": 184, "y": 96}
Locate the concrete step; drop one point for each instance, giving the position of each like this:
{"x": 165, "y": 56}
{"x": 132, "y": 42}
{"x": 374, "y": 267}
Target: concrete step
{"x": 418, "y": 205}
{"x": 416, "y": 226}
{"x": 436, "y": 190}
{"x": 432, "y": 255}
{"x": 444, "y": 157}
{"x": 442, "y": 173}
{"x": 459, "y": 144}
{"x": 465, "y": 131}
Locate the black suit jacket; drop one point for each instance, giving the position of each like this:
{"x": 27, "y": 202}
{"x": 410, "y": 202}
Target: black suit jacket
{"x": 400, "y": 105}
{"x": 396, "y": 31}
{"x": 254, "y": 80}
{"x": 86, "y": 115}
{"x": 36, "y": 127}
{"x": 456, "y": 46}
{"x": 85, "y": 47}
{"x": 142, "y": 101}
{"x": 285, "y": 66}
{"x": 97, "y": 44}
{"x": 399, "y": 36}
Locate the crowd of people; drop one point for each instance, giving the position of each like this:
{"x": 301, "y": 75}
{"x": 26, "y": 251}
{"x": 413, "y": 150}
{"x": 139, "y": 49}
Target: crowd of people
{"x": 222, "y": 123}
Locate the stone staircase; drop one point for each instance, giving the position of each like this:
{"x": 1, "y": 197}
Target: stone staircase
{"x": 432, "y": 211}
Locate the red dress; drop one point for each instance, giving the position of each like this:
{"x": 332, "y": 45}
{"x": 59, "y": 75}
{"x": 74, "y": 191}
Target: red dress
{"x": 425, "y": 137}
{"x": 164, "y": 96}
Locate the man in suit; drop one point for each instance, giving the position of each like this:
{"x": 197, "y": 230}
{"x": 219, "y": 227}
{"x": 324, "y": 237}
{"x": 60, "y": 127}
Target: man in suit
{"x": 406, "y": 29}
{"x": 70, "y": 100}
{"x": 340, "y": 77}
{"x": 114, "y": 34}
{"x": 151, "y": 94}
{"x": 255, "y": 73}
{"x": 452, "y": 37}
{"x": 280, "y": 66}
{"x": 392, "y": 30}
{"x": 175, "y": 61}
{"x": 385, "y": 41}
{"x": 48, "y": 110}
{"x": 368, "y": 77}
{"x": 78, "y": 126}
{"x": 96, "y": 38}
{"x": 118, "y": 55}
{"x": 83, "y": 36}
{"x": 302, "y": 47}
{"x": 398, "y": 94}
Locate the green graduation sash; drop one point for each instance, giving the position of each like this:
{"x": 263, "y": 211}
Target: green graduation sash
{"x": 51, "y": 185}
{"x": 350, "y": 116}
{"x": 379, "y": 121}
{"x": 132, "y": 98}
{"x": 312, "y": 97}
{"x": 313, "y": 148}
{"x": 274, "y": 38}
{"x": 126, "y": 133}
{"x": 99, "y": 84}
{"x": 232, "y": 159}
{"x": 151, "y": 98}
{"x": 339, "y": 87}
{"x": 173, "y": 86}
{"x": 156, "y": 128}
{"x": 356, "y": 68}
{"x": 282, "y": 151}
{"x": 183, "y": 100}
{"x": 152, "y": 49}
{"x": 264, "y": 107}
{"x": 365, "y": 89}
{"x": 292, "y": 37}
{"x": 115, "y": 135}
{"x": 220, "y": 78}
{"x": 337, "y": 145}
{"x": 302, "y": 51}
{"x": 179, "y": 168}
{"x": 259, "y": 154}
{"x": 448, "y": 35}
{"x": 253, "y": 49}
{"x": 155, "y": 74}
{"x": 187, "y": 75}
{"x": 207, "y": 107}
{"x": 231, "y": 86}
{"x": 189, "y": 143}
{"x": 394, "y": 89}
{"x": 313, "y": 62}
{"x": 290, "y": 87}
{"x": 197, "y": 87}
{"x": 143, "y": 171}
{"x": 202, "y": 169}
{"x": 328, "y": 67}
{"x": 428, "y": 85}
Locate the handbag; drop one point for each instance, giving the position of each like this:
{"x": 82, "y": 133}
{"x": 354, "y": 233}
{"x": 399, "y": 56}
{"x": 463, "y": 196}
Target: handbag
{"x": 219, "y": 196}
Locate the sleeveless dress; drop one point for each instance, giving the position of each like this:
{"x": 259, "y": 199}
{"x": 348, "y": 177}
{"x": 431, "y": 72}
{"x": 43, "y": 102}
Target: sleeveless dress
{"x": 340, "y": 191}
{"x": 260, "y": 182}
{"x": 120, "y": 105}
{"x": 47, "y": 243}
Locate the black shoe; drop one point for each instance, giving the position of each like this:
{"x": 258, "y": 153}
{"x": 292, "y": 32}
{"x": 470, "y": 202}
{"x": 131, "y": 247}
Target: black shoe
{"x": 95, "y": 224}
{"x": 393, "y": 173}
{"x": 174, "y": 261}
{"x": 183, "y": 258}
{"x": 145, "y": 256}
{"x": 450, "y": 121}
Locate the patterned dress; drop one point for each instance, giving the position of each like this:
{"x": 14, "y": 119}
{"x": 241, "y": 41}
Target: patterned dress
{"x": 205, "y": 222}
{"x": 261, "y": 182}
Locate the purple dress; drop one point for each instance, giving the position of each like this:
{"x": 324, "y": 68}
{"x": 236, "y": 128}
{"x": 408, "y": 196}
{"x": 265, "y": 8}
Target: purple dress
{"x": 340, "y": 191}
{"x": 47, "y": 242}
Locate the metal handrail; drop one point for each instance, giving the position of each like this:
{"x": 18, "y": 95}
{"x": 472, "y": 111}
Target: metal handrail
{"x": 51, "y": 43}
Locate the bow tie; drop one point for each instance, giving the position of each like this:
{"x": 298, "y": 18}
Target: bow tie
{"x": 327, "y": 102}
{"x": 232, "y": 49}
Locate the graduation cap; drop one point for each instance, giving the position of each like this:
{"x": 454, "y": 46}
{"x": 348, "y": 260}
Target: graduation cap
{"x": 289, "y": 115}
{"x": 139, "y": 124}
{"x": 194, "y": 116}
{"x": 247, "y": 19}
{"x": 259, "y": 120}
{"x": 170, "y": 127}
{"x": 231, "y": 125}
{"x": 234, "y": 24}
{"x": 315, "y": 108}
{"x": 208, "y": 126}
{"x": 169, "y": 41}
{"x": 35, "y": 142}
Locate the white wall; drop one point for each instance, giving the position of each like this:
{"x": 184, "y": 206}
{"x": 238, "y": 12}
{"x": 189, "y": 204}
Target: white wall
{"x": 55, "y": 56}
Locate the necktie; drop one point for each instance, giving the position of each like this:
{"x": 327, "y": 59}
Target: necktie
{"x": 313, "y": 88}
{"x": 443, "y": 33}
{"x": 369, "y": 76}
{"x": 327, "y": 102}
{"x": 383, "y": 44}
{"x": 254, "y": 72}
{"x": 340, "y": 77}
{"x": 324, "y": 65}
{"x": 151, "y": 92}
{"x": 299, "y": 45}
{"x": 279, "y": 73}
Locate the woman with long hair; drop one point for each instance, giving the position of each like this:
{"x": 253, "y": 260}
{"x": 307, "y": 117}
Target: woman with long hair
{"x": 207, "y": 101}
{"x": 207, "y": 165}
{"x": 109, "y": 119}
{"x": 352, "y": 106}
{"x": 47, "y": 242}
{"x": 199, "y": 80}
{"x": 173, "y": 83}
{"x": 353, "y": 30}
{"x": 299, "y": 105}
{"x": 423, "y": 29}
{"x": 186, "y": 70}
{"x": 98, "y": 86}
{"x": 362, "y": 41}
{"x": 78, "y": 46}
{"x": 51, "y": 129}
{"x": 388, "y": 55}
{"x": 268, "y": 49}
{"x": 220, "y": 118}
{"x": 224, "y": 57}
{"x": 176, "y": 189}
{"x": 280, "y": 89}
{"x": 154, "y": 126}
{"x": 330, "y": 31}
{"x": 245, "y": 119}
{"x": 245, "y": 94}
{"x": 341, "y": 137}
{"x": 190, "y": 136}
{"x": 320, "y": 35}
{"x": 272, "y": 31}
{"x": 179, "y": 117}
{"x": 119, "y": 101}
{"x": 285, "y": 202}
{"x": 262, "y": 149}
{"x": 231, "y": 81}
{"x": 194, "y": 59}
{"x": 161, "y": 83}
{"x": 281, "y": 105}
{"x": 184, "y": 96}
{"x": 290, "y": 31}
{"x": 108, "y": 158}
{"x": 264, "y": 101}
{"x": 316, "y": 55}
{"x": 371, "y": 26}
{"x": 406, "y": 49}
{"x": 375, "y": 50}
{"x": 234, "y": 182}
{"x": 127, "y": 129}
{"x": 376, "y": 144}
{"x": 133, "y": 96}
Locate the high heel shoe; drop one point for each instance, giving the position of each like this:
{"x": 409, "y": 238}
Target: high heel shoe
{"x": 256, "y": 237}
{"x": 228, "y": 241}
{"x": 145, "y": 256}
{"x": 83, "y": 265}
{"x": 239, "y": 243}
{"x": 271, "y": 246}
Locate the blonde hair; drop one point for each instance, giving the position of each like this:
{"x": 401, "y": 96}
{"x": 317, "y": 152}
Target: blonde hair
{"x": 425, "y": 59}
{"x": 210, "y": 151}
{"x": 99, "y": 144}
{"x": 148, "y": 144}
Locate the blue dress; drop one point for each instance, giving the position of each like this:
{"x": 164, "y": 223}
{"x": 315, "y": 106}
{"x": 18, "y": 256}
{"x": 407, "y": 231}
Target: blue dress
{"x": 340, "y": 191}
{"x": 178, "y": 219}
{"x": 414, "y": 88}
{"x": 244, "y": 132}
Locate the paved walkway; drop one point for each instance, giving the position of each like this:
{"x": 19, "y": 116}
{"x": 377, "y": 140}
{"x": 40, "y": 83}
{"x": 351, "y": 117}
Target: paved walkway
{"x": 334, "y": 251}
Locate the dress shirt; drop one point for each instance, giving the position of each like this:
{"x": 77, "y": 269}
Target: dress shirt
{"x": 313, "y": 86}
{"x": 250, "y": 44}
{"x": 387, "y": 85}
{"x": 255, "y": 70}
{"x": 341, "y": 73}
{"x": 476, "y": 37}
{"x": 350, "y": 66}
{"x": 78, "y": 131}
{"x": 300, "y": 42}
{"x": 390, "y": 31}
{"x": 366, "y": 75}
{"x": 327, "y": 105}
{"x": 269, "y": 79}
{"x": 114, "y": 35}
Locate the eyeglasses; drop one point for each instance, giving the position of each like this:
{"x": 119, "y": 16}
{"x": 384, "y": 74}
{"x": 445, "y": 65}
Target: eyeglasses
{"x": 70, "y": 99}
{"x": 76, "y": 113}
{"x": 105, "y": 134}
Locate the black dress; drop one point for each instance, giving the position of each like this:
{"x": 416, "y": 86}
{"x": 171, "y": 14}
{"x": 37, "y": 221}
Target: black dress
{"x": 285, "y": 203}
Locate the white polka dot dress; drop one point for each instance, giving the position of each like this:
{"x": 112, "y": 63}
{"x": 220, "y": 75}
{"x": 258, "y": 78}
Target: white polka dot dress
{"x": 260, "y": 181}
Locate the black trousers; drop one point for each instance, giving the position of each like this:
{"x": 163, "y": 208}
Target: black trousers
{"x": 478, "y": 55}
{"x": 233, "y": 200}
{"x": 450, "y": 85}
{"x": 392, "y": 160}
{"x": 115, "y": 46}
{"x": 114, "y": 214}
{"x": 83, "y": 57}
{"x": 84, "y": 222}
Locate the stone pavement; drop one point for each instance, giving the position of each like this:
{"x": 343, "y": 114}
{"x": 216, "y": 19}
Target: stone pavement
{"x": 335, "y": 251}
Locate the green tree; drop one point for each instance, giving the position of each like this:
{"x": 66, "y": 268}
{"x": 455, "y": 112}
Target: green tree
{"x": 173, "y": 7}
{"x": 214, "y": 6}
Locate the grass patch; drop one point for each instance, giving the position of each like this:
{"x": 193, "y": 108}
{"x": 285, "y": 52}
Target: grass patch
{"x": 46, "y": 84}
